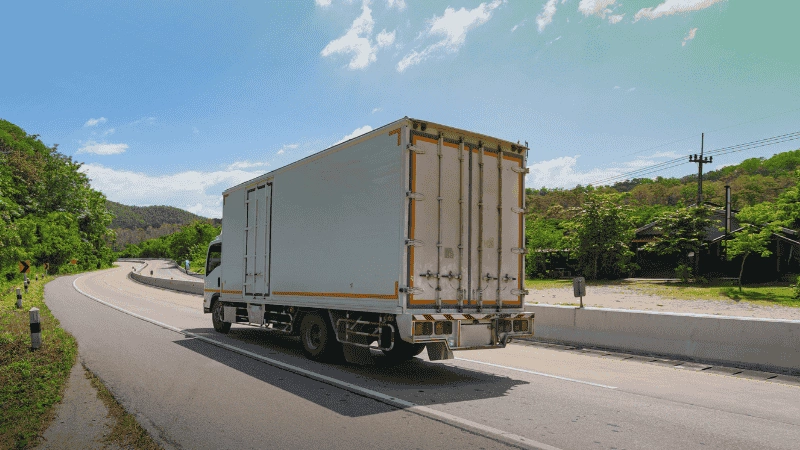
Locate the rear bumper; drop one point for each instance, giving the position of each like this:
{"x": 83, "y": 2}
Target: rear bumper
{"x": 467, "y": 331}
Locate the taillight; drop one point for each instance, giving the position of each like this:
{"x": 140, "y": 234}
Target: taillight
{"x": 423, "y": 328}
{"x": 520, "y": 325}
{"x": 443, "y": 327}
{"x": 504, "y": 326}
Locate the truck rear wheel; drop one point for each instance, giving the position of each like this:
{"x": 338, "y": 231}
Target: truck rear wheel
{"x": 216, "y": 318}
{"x": 319, "y": 342}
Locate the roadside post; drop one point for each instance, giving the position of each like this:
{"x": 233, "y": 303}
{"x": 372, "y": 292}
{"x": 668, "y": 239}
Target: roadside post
{"x": 19, "y": 298}
{"x": 36, "y": 328}
{"x": 579, "y": 288}
{"x": 186, "y": 263}
{"x": 25, "y": 284}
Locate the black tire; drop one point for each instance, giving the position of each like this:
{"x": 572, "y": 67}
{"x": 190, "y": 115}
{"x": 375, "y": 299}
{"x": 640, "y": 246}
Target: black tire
{"x": 216, "y": 318}
{"x": 402, "y": 350}
{"x": 319, "y": 342}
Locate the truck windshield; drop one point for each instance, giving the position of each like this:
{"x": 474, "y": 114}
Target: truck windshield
{"x": 214, "y": 258}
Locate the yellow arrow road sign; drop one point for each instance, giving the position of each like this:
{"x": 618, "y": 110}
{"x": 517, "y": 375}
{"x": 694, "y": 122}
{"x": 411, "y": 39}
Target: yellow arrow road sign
{"x": 24, "y": 266}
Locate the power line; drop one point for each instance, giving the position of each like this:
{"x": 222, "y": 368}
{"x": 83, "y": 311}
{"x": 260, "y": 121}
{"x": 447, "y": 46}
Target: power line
{"x": 712, "y": 131}
{"x": 664, "y": 165}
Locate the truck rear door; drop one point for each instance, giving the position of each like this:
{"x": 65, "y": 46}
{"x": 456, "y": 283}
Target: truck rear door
{"x": 465, "y": 224}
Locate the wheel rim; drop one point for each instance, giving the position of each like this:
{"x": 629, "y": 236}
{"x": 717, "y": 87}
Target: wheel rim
{"x": 314, "y": 337}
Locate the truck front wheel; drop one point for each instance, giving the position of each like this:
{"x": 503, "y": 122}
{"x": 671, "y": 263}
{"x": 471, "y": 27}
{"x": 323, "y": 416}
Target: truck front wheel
{"x": 319, "y": 343}
{"x": 216, "y": 318}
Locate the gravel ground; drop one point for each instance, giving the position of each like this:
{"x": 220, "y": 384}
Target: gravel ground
{"x": 623, "y": 298}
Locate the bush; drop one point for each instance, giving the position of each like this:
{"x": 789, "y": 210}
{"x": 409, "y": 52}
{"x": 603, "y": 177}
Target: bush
{"x": 684, "y": 272}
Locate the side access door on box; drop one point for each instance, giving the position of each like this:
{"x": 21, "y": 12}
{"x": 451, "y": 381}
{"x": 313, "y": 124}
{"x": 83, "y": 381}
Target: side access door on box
{"x": 465, "y": 225}
{"x": 257, "y": 236}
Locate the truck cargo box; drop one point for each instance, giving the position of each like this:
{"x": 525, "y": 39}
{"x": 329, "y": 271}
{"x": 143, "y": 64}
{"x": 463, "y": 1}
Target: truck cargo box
{"x": 414, "y": 220}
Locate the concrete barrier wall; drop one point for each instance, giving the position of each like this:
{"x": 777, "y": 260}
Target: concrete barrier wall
{"x": 749, "y": 342}
{"x": 191, "y": 287}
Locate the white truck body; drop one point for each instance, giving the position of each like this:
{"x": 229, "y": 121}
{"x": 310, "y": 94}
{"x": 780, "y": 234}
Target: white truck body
{"x": 411, "y": 223}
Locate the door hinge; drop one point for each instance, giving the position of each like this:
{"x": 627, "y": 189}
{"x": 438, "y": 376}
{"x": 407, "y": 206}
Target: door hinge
{"x": 415, "y": 149}
{"x": 415, "y": 195}
{"x": 411, "y": 290}
{"x": 414, "y": 243}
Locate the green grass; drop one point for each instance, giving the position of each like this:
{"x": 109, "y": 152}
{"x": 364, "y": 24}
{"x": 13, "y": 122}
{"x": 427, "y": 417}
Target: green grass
{"x": 31, "y": 381}
{"x": 761, "y": 294}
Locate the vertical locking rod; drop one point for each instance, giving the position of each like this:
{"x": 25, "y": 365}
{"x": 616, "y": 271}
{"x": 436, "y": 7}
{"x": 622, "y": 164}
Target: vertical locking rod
{"x": 480, "y": 226}
{"x": 460, "y": 293}
{"x": 499, "y": 223}
{"x": 439, "y": 231}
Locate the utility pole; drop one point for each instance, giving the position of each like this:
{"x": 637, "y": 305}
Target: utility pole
{"x": 700, "y": 161}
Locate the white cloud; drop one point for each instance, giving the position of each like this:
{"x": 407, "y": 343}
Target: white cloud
{"x": 102, "y": 148}
{"x": 374, "y": 110}
{"x": 631, "y": 89}
{"x": 617, "y": 18}
{"x": 689, "y": 36}
{"x": 195, "y": 130}
{"x": 521, "y": 24}
{"x": 200, "y": 192}
{"x": 357, "y": 41}
{"x": 616, "y": 88}
{"x": 95, "y": 122}
{"x": 357, "y": 132}
{"x": 109, "y": 132}
{"x": 595, "y": 7}
{"x": 562, "y": 172}
{"x": 323, "y": 3}
{"x": 452, "y": 28}
{"x": 238, "y": 165}
{"x": 545, "y": 18}
{"x": 384, "y": 39}
{"x": 670, "y": 7}
{"x": 399, "y": 4}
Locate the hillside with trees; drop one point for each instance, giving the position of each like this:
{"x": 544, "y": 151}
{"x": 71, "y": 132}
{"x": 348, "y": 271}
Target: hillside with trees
{"x": 188, "y": 242}
{"x": 133, "y": 217}
{"x": 590, "y": 228}
{"x": 135, "y": 224}
{"x": 48, "y": 211}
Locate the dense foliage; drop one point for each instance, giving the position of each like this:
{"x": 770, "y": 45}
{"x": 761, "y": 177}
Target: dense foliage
{"x": 599, "y": 236}
{"x": 190, "y": 242}
{"x": 554, "y": 216}
{"x": 48, "y": 211}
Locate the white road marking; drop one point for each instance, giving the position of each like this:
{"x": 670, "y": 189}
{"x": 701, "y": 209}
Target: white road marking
{"x": 538, "y": 373}
{"x": 384, "y": 398}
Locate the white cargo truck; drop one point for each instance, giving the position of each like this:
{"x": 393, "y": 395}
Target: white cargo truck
{"x": 407, "y": 237}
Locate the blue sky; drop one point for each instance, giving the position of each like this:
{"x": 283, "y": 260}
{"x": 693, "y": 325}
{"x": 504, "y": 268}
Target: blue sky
{"x": 171, "y": 102}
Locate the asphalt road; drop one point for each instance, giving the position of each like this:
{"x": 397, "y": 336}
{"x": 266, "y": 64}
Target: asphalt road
{"x": 163, "y": 269}
{"x": 253, "y": 389}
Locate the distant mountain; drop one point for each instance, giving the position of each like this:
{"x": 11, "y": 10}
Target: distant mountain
{"x": 133, "y": 217}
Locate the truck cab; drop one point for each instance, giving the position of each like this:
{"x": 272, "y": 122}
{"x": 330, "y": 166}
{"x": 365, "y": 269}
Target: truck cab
{"x": 213, "y": 287}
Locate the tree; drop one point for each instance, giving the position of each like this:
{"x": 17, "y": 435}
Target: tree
{"x": 600, "y": 235}
{"x": 751, "y": 239}
{"x": 541, "y": 235}
{"x": 683, "y": 232}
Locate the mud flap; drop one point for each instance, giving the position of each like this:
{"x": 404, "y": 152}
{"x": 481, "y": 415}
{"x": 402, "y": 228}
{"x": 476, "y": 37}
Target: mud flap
{"x": 438, "y": 351}
{"x": 357, "y": 355}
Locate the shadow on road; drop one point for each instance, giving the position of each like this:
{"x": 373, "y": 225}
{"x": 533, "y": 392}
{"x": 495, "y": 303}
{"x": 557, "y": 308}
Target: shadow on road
{"x": 419, "y": 381}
